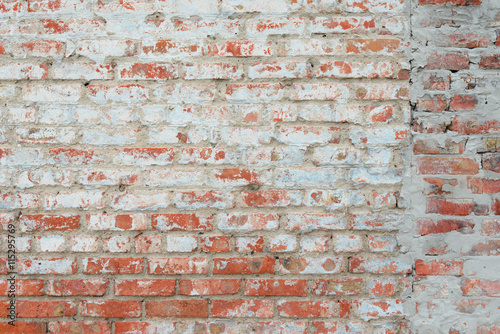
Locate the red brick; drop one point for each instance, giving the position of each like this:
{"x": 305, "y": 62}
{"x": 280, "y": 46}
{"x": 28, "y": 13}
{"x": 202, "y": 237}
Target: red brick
{"x": 448, "y": 61}
{"x": 177, "y": 265}
{"x": 239, "y": 49}
{"x": 437, "y": 185}
{"x": 207, "y": 287}
{"x": 491, "y": 162}
{"x": 385, "y": 46}
{"x": 480, "y": 287}
{"x": 439, "y": 267}
{"x": 463, "y": 102}
{"x": 311, "y": 265}
{"x": 374, "y": 309}
{"x": 435, "y": 81}
{"x": 177, "y": 309}
{"x": 23, "y": 327}
{"x": 483, "y": 186}
{"x": 309, "y": 309}
{"x": 427, "y": 226}
{"x": 102, "y": 327}
{"x": 215, "y": 244}
{"x": 113, "y": 265}
{"x": 242, "y": 308}
{"x": 452, "y": 166}
{"x": 342, "y": 25}
{"x": 491, "y": 227}
{"x": 106, "y": 177}
{"x": 271, "y": 198}
{"x": 243, "y": 265}
{"x": 111, "y": 308}
{"x": 457, "y": 207}
{"x": 180, "y": 222}
{"x": 116, "y": 222}
{"x": 144, "y": 287}
{"x": 275, "y": 287}
{"x": 431, "y": 146}
{"x": 77, "y": 287}
{"x": 23, "y": 287}
{"x": 204, "y": 156}
{"x": 180, "y": 48}
{"x": 70, "y": 156}
{"x": 148, "y": 71}
{"x": 40, "y": 222}
{"x": 338, "y": 287}
{"x": 464, "y": 40}
{"x": 10, "y": 6}
{"x": 490, "y": 62}
{"x": 488, "y": 248}
{"x": 232, "y": 222}
{"x": 40, "y": 309}
{"x": 240, "y": 176}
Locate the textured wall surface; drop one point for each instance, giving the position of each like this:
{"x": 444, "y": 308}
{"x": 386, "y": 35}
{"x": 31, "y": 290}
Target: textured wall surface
{"x": 231, "y": 166}
{"x": 455, "y": 188}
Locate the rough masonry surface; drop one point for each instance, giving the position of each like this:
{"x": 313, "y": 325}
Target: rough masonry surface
{"x": 265, "y": 166}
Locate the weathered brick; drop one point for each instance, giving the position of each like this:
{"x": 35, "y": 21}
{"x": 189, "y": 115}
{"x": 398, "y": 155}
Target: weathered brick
{"x": 273, "y": 287}
{"x": 111, "y": 308}
{"x": 177, "y": 309}
{"x": 204, "y": 287}
{"x": 77, "y": 287}
{"x": 243, "y": 265}
{"x": 451, "y": 166}
{"x": 308, "y": 309}
{"x": 459, "y": 207}
{"x": 41, "y": 309}
{"x": 22, "y": 287}
{"x": 311, "y": 265}
{"x": 338, "y": 287}
{"x": 82, "y": 326}
{"x": 47, "y": 266}
{"x": 448, "y": 61}
{"x": 378, "y": 264}
{"x": 144, "y": 287}
{"x": 147, "y": 71}
{"x": 239, "y": 49}
{"x": 242, "y": 308}
{"x": 28, "y": 223}
{"x": 177, "y": 266}
{"x": 122, "y": 265}
{"x": 427, "y": 226}
{"x": 215, "y": 244}
{"x": 439, "y": 267}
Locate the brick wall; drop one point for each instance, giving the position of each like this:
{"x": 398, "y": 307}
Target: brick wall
{"x": 455, "y": 92}
{"x": 245, "y": 166}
